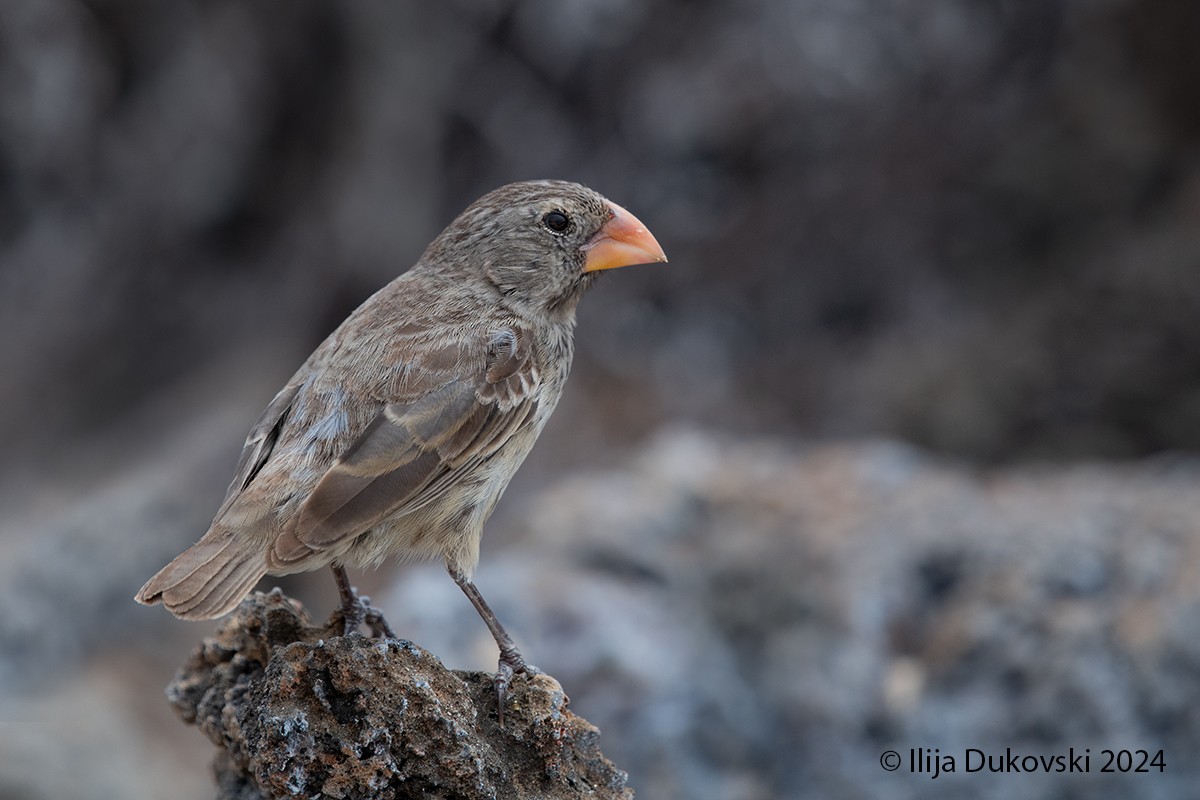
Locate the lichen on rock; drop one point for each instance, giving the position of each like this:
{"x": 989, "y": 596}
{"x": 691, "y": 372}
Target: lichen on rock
{"x": 296, "y": 712}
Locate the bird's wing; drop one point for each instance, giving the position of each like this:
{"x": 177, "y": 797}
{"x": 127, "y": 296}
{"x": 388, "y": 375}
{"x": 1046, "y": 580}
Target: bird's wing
{"x": 259, "y": 444}
{"x": 413, "y": 450}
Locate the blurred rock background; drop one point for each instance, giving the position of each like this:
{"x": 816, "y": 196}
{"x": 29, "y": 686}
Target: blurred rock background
{"x": 966, "y": 225}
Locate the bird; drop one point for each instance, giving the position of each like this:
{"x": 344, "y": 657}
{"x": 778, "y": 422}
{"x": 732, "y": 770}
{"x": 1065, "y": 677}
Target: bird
{"x": 399, "y": 434}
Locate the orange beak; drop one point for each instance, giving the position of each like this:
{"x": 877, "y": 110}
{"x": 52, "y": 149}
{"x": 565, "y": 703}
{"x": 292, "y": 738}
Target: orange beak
{"x": 622, "y": 242}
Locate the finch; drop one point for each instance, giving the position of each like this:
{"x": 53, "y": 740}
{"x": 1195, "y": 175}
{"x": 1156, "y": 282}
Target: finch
{"x": 399, "y": 434}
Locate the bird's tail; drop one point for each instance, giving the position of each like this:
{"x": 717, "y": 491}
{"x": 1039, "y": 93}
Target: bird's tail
{"x": 208, "y": 579}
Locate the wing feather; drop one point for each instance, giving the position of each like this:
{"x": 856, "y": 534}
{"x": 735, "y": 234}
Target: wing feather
{"x": 411, "y": 452}
{"x": 259, "y": 444}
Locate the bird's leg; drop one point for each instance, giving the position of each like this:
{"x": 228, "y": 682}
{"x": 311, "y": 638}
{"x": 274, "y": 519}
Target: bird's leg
{"x": 511, "y": 660}
{"x": 357, "y": 610}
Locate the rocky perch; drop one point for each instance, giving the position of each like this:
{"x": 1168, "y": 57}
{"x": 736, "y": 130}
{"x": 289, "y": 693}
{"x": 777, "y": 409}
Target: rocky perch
{"x": 296, "y": 712}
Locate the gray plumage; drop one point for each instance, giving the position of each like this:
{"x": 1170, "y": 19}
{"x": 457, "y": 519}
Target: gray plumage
{"x": 401, "y": 431}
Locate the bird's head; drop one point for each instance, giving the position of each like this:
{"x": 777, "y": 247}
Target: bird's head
{"x": 540, "y": 244}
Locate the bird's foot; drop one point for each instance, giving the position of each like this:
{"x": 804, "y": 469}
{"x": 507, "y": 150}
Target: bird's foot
{"x": 373, "y": 617}
{"x": 511, "y": 662}
{"x": 357, "y": 611}
{"x": 360, "y": 612}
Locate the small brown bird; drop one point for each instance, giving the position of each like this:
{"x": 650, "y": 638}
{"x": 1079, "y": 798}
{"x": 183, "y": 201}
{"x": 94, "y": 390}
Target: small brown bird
{"x": 401, "y": 431}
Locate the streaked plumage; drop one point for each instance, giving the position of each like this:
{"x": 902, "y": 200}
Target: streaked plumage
{"x": 401, "y": 431}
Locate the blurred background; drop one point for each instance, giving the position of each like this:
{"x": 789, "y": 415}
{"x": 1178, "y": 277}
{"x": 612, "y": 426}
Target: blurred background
{"x": 918, "y": 394}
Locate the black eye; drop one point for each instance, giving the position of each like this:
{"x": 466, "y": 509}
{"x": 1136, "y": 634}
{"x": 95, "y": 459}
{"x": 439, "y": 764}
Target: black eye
{"x": 556, "y": 221}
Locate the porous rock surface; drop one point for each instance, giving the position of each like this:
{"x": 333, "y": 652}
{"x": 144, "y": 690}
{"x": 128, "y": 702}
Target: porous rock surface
{"x": 296, "y": 712}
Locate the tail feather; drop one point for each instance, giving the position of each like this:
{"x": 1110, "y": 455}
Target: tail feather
{"x": 226, "y": 593}
{"x": 208, "y": 579}
{"x": 201, "y": 588}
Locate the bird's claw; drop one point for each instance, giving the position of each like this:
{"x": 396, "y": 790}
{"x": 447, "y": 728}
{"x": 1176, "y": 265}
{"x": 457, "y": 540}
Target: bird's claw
{"x": 363, "y": 613}
{"x": 511, "y": 662}
{"x": 373, "y": 617}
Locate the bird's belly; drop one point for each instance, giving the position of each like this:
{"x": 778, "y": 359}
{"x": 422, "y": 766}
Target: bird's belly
{"x": 450, "y": 526}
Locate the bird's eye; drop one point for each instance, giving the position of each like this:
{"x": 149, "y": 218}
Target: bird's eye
{"x": 556, "y": 221}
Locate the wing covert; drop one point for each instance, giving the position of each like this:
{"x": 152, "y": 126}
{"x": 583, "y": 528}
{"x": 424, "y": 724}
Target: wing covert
{"x": 411, "y": 452}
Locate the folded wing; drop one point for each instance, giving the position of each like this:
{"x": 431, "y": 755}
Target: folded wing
{"x": 413, "y": 450}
